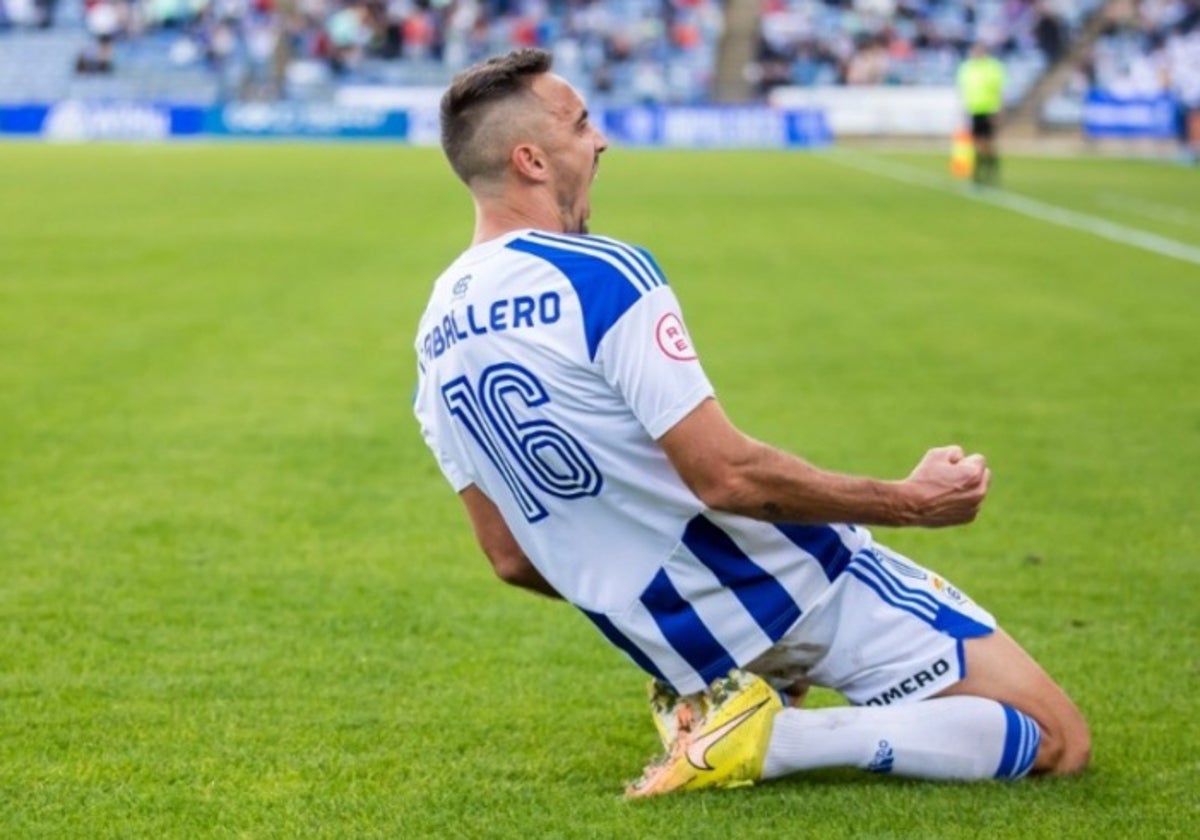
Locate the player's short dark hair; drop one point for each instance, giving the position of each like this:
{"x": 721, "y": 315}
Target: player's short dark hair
{"x": 471, "y": 95}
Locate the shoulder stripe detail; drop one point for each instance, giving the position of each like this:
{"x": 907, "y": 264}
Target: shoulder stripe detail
{"x": 632, "y": 261}
{"x": 637, "y": 254}
{"x": 683, "y": 628}
{"x": 760, "y": 593}
{"x": 605, "y": 288}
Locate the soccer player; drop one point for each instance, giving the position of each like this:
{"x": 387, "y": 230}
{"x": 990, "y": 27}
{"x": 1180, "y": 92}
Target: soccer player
{"x": 981, "y": 81}
{"x": 563, "y": 399}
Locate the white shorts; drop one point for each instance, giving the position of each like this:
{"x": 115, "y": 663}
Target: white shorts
{"x": 887, "y": 631}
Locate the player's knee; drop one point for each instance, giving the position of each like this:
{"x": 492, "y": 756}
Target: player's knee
{"x": 1076, "y": 754}
{"x": 1065, "y": 750}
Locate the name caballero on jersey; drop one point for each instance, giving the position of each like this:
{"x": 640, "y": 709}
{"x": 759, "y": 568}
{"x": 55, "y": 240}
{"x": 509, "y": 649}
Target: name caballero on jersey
{"x": 519, "y": 312}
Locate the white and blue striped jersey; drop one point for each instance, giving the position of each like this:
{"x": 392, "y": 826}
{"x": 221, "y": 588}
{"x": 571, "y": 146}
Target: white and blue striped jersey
{"x": 548, "y": 366}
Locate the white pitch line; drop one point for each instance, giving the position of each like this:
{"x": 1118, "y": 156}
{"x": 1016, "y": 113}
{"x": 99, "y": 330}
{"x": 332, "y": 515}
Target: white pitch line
{"x": 1031, "y": 207}
{"x": 1149, "y": 209}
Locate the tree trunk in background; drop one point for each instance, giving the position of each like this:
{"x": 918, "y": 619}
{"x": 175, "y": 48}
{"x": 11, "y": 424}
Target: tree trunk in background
{"x": 736, "y": 51}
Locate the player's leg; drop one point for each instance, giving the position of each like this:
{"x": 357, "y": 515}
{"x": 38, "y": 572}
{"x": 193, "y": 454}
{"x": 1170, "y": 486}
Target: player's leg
{"x": 998, "y": 669}
{"x": 947, "y": 739}
{"x": 980, "y": 140}
{"x": 987, "y": 160}
{"x": 898, "y": 651}
{"x": 942, "y": 693}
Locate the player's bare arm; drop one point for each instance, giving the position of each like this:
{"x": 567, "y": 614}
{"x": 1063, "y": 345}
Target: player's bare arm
{"x": 730, "y": 471}
{"x": 497, "y": 541}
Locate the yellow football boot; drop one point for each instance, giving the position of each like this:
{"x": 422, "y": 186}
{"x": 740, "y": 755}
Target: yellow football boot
{"x": 715, "y": 739}
{"x": 673, "y": 713}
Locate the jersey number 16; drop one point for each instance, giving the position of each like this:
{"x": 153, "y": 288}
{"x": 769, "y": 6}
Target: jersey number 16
{"x": 531, "y": 454}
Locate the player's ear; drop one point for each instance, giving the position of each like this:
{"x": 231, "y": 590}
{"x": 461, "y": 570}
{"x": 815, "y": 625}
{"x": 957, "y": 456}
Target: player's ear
{"x": 529, "y": 162}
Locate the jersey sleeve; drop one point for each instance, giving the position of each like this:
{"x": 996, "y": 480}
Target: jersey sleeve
{"x": 649, "y": 359}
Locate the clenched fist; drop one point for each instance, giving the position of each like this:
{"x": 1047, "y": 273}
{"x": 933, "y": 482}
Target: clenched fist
{"x": 946, "y": 487}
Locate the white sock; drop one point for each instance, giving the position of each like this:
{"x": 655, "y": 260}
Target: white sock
{"x": 944, "y": 738}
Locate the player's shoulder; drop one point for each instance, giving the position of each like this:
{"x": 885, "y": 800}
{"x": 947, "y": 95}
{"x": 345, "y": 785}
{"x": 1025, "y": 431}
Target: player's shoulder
{"x": 587, "y": 258}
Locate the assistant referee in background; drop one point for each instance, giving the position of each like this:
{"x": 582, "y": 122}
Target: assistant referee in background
{"x": 981, "y": 80}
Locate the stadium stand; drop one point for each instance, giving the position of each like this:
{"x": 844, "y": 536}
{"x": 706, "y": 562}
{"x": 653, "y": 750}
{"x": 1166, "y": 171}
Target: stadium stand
{"x": 618, "y": 52}
{"x": 1134, "y": 53}
{"x": 898, "y": 42}
{"x": 204, "y": 53}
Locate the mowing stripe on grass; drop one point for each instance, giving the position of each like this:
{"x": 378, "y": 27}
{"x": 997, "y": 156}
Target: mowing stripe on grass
{"x": 1031, "y": 207}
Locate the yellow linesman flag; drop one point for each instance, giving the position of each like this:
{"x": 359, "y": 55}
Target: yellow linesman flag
{"x": 962, "y": 154}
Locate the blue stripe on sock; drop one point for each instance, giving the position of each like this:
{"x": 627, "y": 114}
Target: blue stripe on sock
{"x": 1021, "y": 740}
{"x": 1012, "y": 738}
{"x": 1035, "y": 741}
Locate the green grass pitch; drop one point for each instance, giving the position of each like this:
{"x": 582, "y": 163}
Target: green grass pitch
{"x": 238, "y": 600}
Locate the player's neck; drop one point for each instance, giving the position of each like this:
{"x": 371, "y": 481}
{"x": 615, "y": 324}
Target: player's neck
{"x": 495, "y": 218}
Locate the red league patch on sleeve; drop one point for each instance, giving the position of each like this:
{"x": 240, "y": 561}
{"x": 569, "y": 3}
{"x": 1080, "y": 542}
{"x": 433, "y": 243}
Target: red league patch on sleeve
{"x": 673, "y": 339}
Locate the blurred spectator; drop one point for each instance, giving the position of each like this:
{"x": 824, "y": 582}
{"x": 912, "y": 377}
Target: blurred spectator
{"x": 868, "y": 65}
{"x": 104, "y": 22}
{"x": 1050, "y": 32}
{"x": 349, "y": 33}
{"x": 1152, "y": 48}
{"x": 46, "y": 9}
{"x": 908, "y": 41}
{"x": 26, "y": 13}
{"x": 1182, "y": 54}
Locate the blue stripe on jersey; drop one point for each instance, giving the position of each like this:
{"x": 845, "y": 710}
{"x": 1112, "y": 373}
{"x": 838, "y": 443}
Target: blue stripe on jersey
{"x": 653, "y": 263}
{"x": 685, "y": 630}
{"x": 1021, "y": 740}
{"x": 620, "y": 640}
{"x": 760, "y": 593}
{"x": 641, "y": 268}
{"x": 605, "y": 291}
{"x": 823, "y": 543}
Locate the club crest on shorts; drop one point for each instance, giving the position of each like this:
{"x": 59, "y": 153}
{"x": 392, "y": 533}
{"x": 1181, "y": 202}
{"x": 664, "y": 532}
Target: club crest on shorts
{"x": 673, "y": 339}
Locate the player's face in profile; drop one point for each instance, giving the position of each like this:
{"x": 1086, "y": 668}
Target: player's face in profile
{"x": 573, "y": 145}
